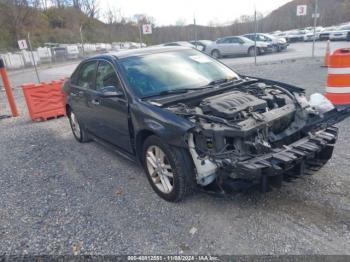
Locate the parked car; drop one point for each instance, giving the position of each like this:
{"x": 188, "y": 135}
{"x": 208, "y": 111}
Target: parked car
{"x": 324, "y": 35}
{"x": 296, "y": 35}
{"x": 191, "y": 121}
{"x": 202, "y": 45}
{"x": 72, "y": 51}
{"x": 278, "y": 43}
{"x": 279, "y": 34}
{"x": 59, "y": 53}
{"x": 341, "y": 33}
{"x": 309, "y": 36}
{"x": 237, "y": 45}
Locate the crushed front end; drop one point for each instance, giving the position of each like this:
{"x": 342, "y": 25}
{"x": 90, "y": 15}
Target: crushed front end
{"x": 259, "y": 130}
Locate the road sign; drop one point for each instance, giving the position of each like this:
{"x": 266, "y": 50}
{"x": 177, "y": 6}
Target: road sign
{"x": 316, "y": 15}
{"x": 147, "y": 29}
{"x": 301, "y": 10}
{"x": 22, "y": 44}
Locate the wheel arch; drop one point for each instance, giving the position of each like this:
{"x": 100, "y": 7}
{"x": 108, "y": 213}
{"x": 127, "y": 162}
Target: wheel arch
{"x": 68, "y": 109}
{"x": 141, "y": 136}
{"x": 215, "y": 50}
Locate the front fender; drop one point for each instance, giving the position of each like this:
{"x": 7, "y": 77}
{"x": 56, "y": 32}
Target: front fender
{"x": 170, "y": 127}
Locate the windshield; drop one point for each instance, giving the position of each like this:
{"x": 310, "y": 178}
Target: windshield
{"x": 154, "y": 74}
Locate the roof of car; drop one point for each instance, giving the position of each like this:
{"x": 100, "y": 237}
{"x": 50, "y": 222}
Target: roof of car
{"x": 143, "y": 51}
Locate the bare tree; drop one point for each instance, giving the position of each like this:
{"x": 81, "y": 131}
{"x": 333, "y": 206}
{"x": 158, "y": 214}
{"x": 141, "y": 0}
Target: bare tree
{"x": 18, "y": 14}
{"x": 90, "y": 8}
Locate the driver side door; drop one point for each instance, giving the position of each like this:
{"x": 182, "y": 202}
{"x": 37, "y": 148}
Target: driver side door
{"x": 110, "y": 107}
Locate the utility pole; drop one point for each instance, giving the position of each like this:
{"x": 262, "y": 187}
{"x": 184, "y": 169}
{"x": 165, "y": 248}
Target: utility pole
{"x": 82, "y": 39}
{"x": 34, "y": 62}
{"x": 315, "y": 24}
{"x": 140, "y": 31}
{"x": 255, "y": 34}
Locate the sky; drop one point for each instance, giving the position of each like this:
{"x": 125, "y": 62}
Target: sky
{"x": 169, "y": 12}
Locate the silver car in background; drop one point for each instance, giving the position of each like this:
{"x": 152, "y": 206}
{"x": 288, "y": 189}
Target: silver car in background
{"x": 278, "y": 43}
{"x": 237, "y": 45}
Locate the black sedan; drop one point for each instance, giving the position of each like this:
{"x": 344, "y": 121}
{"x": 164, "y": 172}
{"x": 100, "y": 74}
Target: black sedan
{"x": 191, "y": 121}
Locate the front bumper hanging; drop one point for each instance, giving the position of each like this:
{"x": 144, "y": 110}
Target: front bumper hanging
{"x": 292, "y": 161}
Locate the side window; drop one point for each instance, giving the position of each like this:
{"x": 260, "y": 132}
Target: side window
{"x": 74, "y": 76}
{"x": 106, "y": 77}
{"x": 85, "y": 78}
{"x": 251, "y": 37}
{"x": 262, "y": 38}
{"x": 226, "y": 41}
{"x": 234, "y": 40}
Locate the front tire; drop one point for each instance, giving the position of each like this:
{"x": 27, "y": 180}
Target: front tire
{"x": 78, "y": 131}
{"x": 169, "y": 169}
{"x": 251, "y": 51}
{"x": 216, "y": 54}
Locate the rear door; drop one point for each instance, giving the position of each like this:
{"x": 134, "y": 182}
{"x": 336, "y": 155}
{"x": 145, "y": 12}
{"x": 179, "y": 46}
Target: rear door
{"x": 109, "y": 107}
{"x": 81, "y": 87}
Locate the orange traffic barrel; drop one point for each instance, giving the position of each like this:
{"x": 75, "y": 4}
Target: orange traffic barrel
{"x": 338, "y": 80}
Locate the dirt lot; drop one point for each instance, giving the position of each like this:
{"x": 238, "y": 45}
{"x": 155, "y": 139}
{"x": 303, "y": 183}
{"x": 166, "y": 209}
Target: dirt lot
{"x": 61, "y": 197}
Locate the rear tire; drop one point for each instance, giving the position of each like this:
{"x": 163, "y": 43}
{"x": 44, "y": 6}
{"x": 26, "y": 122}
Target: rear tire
{"x": 77, "y": 129}
{"x": 216, "y": 54}
{"x": 169, "y": 169}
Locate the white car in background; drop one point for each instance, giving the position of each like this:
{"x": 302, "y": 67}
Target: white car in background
{"x": 182, "y": 43}
{"x": 309, "y": 36}
{"x": 237, "y": 45}
{"x": 341, "y": 33}
{"x": 296, "y": 35}
{"x": 72, "y": 51}
{"x": 325, "y": 34}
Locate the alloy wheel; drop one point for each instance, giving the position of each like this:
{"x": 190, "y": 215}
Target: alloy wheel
{"x": 75, "y": 125}
{"x": 159, "y": 169}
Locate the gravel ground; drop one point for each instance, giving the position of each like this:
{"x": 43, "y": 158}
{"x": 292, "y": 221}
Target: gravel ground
{"x": 61, "y": 197}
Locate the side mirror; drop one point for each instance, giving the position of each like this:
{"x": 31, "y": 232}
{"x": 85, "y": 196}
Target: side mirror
{"x": 111, "y": 91}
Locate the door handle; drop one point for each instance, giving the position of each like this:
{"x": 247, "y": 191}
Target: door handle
{"x": 95, "y": 102}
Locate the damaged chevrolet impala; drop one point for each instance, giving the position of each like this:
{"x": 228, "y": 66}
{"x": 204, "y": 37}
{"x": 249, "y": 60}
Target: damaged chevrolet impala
{"x": 192, "y": 122}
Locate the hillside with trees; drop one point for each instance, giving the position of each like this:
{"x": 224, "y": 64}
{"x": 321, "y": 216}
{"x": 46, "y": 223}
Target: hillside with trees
{"x": 60, "y": 21}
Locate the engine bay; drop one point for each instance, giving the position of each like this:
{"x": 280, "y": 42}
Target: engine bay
{"x": 249, "y": 121}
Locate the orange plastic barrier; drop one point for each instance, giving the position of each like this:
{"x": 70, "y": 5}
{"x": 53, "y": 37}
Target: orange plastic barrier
{"x": 45, "y": 100}
{"x": 338, "y": 80}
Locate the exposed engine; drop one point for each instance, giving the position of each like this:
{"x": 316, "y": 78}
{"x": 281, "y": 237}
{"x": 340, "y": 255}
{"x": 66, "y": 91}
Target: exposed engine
{"x": 245, "y": 123}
